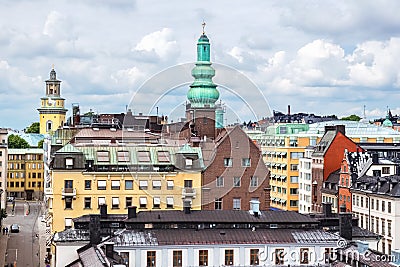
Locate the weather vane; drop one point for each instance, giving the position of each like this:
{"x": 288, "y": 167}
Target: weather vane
{"x": 204, "y": 25}
{"x": 52, "y": 66}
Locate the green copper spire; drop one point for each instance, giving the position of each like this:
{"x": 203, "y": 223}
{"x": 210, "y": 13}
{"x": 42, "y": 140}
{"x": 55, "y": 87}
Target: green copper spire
{"x": 203, "y": 92}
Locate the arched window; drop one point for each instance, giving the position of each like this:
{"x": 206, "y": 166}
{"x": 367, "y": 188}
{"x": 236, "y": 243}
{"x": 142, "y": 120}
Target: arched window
{"x": 49, "y": 125}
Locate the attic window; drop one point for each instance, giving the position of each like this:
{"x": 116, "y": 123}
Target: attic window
{"x": 103, "y": 156}
{"x": 69, "y": 162}
{"x": 123, "y": 156}
{"x": 163, "y": 156}
{"x": 144, "y": 156}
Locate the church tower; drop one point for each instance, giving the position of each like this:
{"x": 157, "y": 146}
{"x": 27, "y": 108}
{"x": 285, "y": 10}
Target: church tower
{"x": 203, "y": 93}
{"x": 52, "y": 111}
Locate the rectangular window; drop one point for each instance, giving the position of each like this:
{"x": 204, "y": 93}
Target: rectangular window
{"x": 254, "y": 260}
{"x": 383, "y": 206}
{"x": 362, "y": 202}
{"x": 227, "y": 162}
{"x": 156, "y": 202}
{"x": 279, "y": 256}
{"x": 143, "y": 202}
{"x": 177, "y": 258}
{"x": 115, "y": 202}
{"x": 157, "y": 185}
{"x": 220, "y": 181}
{"x": 88, "y": 184}
{"x": 236, "y": 181}
{"x": 296, "y": 155}
{"x": 68, "y": 223}
{"x": 304, "y": 256}
{"x": 69, "y": 163}
{"x": 294, "y": 167}
{"x": 103, "y": 156}
{"x": 294, "y": 179}
{"x": 151, "y": 259}
{"x": 163, "y": 156}
{"x": 294, "y": 191}
{"x": 389, "y": 228}
{"x": 253, "y": 181}
{"x": 128, "y": 202}
{"x": 170, "y": 202}
{"x": 88, "y": 203}
{"x": 389, "y": 207}
{"x": 188, "y": 183}
{"x": 372, "y": 203}
{"x": 377, "y": 204}
{"x": 218, "y": 204}
{"x": 102, "y": 201}
{"x": 101, "y": 185}
{"x": 143, "y": 185}
{"x": 128, "y": 185}
{"x": 245, "y": 162}
{"x": 203, "y": 257}
{"x": 170, "y": 184}
{"x": 294, "y": 203}
{"x": 144, "y": 156}
{"x": 123, "y": 156}
{"x": 68, "y": 202}
{"x": 383, "y": 227}
{"x": 115, "y": 185}
{"x": 236, "y": 204}
{"x": 229, "y": 257}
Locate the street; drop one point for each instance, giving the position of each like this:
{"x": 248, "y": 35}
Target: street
{"x": 23, "y": 247}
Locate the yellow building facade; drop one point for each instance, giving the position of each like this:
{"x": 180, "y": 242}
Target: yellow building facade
{"x": 284, "y": 144}
{"x": 148, "y": 177}
{"x": 25, "y": 173}
{"x": 52, "y": 111}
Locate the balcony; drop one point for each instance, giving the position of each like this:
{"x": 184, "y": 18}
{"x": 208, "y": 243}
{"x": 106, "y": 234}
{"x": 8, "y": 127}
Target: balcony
{"x": 48, "y": 191}
{"x": 68, "y": 192}
{"x": 188, "y": 192}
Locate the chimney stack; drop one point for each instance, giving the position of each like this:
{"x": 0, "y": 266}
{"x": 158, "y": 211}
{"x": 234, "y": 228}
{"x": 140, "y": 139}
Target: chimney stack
{"x": 327, "y": 209}
{"x": 346, "y": 225}
{"x": 94, "y": 229}
{"x": 109, "y": 249}
{"x": 132, "y": 212}
{"x": 103, "y": 211}
{"x": 186, "y": 206}
{"x": 288, "y": 110}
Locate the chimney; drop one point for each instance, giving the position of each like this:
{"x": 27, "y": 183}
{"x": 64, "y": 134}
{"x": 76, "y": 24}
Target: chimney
{"x": 327, "y": 209}
{"x": 132, "y": 212}
{"x": 341, "y": 129}
{"x": 94, "y": 229}
{"x": 103, "y": 211}
{"x": 288, "y": 109}
{"x": 255, "y": 207}
{"x": 375, "y": 158}
{"x": 109, "y": 249}
{"x": 186, "y": 206}
{"x": 345, "y": 225}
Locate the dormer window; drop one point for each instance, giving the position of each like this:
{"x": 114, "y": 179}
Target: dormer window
{"x": 143, "y": 156}
{"x": 123, "y": 156}
{"x": 69, "y": 163}
{"x": 103, "y": 156}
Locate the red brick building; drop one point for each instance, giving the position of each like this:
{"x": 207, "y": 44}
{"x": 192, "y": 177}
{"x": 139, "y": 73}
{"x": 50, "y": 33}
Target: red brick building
{"x": 327, "y": 157}
{"x": 236, "y": 173}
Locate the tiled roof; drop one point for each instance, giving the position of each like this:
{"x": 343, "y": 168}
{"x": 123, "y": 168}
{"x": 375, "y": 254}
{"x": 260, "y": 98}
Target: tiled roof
{"x": 93, "y": 257}
{"x": 324, "y": 143}
{"x": 388, "y": 185}
{"x": 369, "y": 258}
{"x": 221, "y": 216}
{"x": 223, "y": 236}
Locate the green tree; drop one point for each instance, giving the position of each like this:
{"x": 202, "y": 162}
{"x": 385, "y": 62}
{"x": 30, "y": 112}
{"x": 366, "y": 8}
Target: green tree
{"x": 14, "y": 141}
{"x": 351, "y": 118}
{"x": 40, "y": 143}
{"x": 33, "y": 128}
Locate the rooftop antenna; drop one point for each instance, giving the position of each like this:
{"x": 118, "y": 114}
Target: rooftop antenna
{"x": 204, "y": 25}
{"x": 364, "y": 113}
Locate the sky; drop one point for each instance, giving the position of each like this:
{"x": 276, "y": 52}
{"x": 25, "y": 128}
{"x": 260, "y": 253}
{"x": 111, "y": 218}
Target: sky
{"x": 321, "y": 57}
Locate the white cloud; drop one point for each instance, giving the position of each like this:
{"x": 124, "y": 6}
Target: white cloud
{"x": 160, "y": 43}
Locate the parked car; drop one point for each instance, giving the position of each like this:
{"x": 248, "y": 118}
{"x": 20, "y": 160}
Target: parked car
{"x": 14, "y": 228}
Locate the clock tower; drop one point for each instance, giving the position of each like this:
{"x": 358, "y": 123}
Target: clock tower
{"x": 52, "y": 111}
